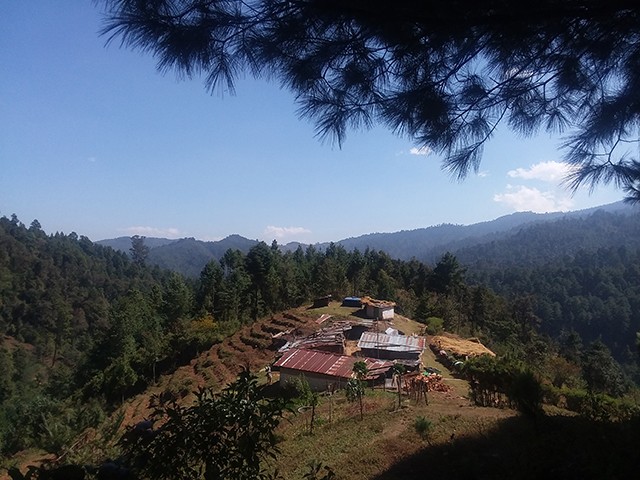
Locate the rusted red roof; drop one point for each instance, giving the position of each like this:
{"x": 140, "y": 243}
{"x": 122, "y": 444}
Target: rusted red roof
{"x": 324, "y": 363}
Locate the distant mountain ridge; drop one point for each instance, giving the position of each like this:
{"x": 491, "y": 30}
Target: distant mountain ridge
{"x": 124, "y": 243}
{"x": 189, "y": 256}
{"x": 185, "y": 255}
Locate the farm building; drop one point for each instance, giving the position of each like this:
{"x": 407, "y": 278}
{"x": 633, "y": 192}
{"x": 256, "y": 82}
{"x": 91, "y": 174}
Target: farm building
{"x": 392, "y": 347}
{"x": 325, "y": 370}
{"x": 378, "y": 309}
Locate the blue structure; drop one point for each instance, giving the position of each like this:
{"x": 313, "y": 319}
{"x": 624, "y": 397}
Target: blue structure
{"x": 352, "y": 302}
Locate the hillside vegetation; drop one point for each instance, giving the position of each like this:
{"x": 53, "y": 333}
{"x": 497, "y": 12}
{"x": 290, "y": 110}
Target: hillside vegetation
{"x": 89, "y": 335}
{"x": 524, "y": 236}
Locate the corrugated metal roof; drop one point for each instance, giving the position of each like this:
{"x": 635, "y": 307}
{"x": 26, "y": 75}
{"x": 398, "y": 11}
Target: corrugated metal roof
{"x": 332, "y": 335}
{"x": 396, "y": 343}
{"x": 327, "y": 363}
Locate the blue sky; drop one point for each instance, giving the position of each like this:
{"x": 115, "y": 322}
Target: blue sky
{"x": 94, "y": 140}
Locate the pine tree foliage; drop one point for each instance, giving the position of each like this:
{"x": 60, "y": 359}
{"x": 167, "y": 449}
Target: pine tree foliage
{"x": 229, "y": 435}
{"x": 446, "y": 74}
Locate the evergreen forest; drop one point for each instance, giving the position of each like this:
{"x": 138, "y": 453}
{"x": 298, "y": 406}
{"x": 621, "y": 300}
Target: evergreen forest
{"x": 83, "y": 326}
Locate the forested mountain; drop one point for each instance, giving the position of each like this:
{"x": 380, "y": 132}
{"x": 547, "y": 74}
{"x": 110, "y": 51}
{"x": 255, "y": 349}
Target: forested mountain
{"x": 123, "y": 244}
{"x": 188, "y": 256}
{"x": 542, "y": 242}
{"x": 582, "y": 276}
{"x": 429, "y": 244}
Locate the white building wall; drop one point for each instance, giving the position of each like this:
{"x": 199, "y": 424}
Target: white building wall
{"x": 387, "y": 314}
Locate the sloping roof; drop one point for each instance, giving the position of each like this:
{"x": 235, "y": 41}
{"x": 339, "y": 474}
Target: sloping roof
{"x": 396, "y": 343}
{"x": 324, "y": 363}
{"x": 331, "y": 335}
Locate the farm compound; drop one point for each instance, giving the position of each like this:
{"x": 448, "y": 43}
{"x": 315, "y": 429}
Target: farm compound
{"x": 325, "y": 358}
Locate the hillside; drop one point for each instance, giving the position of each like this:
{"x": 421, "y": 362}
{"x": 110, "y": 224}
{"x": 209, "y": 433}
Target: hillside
{"x": 189, "y": 256}
{"x": 85, "y": 330}
{"x": 461, "y": 440}
{"x": 123, "y": 244}
{"x": 538, "y": 243}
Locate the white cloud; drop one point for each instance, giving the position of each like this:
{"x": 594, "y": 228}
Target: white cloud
{"x": 522, "y": 198}
{"x": 420, "y": 151}
{"x": 280, "y": 233}
{"x": 551, "y": 171}
{"x": 483, "y": 174}
{"x": 153, "y": 232}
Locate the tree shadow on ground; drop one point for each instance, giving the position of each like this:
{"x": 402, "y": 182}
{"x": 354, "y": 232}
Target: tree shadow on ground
{"x": 560, "y": 447}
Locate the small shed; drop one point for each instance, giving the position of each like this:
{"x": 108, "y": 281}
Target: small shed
{"x": 324, "y": 370}
{"x": 378, "y": 309}
{"x": 393, "y": 347}
{"x": 322, "y": 301}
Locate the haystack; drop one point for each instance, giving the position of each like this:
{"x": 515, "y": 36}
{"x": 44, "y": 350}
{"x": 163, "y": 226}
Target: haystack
{"x": 458, "y": 346}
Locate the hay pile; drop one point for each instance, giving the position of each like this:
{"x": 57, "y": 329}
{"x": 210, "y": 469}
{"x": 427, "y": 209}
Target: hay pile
{"x": 459, "y": 346}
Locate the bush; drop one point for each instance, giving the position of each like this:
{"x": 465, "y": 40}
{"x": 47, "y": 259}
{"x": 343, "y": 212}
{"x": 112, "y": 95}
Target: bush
{"x": 434, "y": 326}
{"x": 298, "y": 388}
{"x": 526, "y": 392}
{"x": 423, "y": 427}
{"x": 575, "y": 398}
{"x": 551, "y": 395}
{"x": 599, "y": 406}
{"x": 226, "y": 435}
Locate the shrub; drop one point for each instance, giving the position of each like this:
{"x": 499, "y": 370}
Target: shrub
{"x": 228, "y": 435}
{"x": 298, "y": 388}
{"x": 434, "y": 325}
{"x": 551, "y": 395}
{"x": 576, "y": 399}
{"x": 526, "y": 392}
{"x": 423, "y": 427}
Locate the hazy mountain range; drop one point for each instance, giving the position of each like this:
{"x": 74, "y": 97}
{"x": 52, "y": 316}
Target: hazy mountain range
{"x": 556, "y": 233}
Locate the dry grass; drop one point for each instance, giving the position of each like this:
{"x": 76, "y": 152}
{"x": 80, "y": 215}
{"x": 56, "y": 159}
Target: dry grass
{"x": 459, "y": 346}
{"x": 407, "y": 326}
{"x": 335, "y": 309}
{"x": 361, "y": 450}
